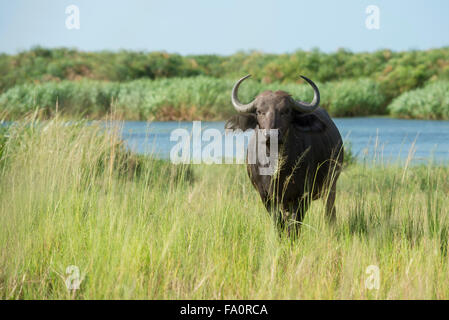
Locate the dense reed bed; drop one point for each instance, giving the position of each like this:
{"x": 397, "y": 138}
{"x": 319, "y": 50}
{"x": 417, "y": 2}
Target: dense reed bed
{"x": 177, "y": 98}
{"x": 430, "y": 102}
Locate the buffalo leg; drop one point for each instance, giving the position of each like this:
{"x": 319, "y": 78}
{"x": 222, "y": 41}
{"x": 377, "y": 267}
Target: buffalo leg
{"x": 297, "y": 212}
{"x": 276, "y": 214}
{"x": 330, "y": 203}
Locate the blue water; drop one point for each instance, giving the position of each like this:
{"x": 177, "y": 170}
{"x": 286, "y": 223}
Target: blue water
{"x": 382, "y": 139}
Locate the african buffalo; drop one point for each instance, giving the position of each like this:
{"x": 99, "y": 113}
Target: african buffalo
{"x": 310, "y": 152}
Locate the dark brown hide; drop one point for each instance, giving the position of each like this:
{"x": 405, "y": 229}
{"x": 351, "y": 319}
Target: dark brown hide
{"x": 311, "y": 156}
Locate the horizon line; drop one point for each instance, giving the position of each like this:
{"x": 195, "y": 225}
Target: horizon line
{"x": 241, "y": 51}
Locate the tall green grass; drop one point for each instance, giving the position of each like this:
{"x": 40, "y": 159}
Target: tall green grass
{"x": 429, "y": 102}
{"x": 178, "y": 98}
{"x": 149, "y": 235}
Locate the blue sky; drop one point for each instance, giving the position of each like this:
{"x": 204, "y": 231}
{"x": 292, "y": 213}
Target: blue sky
{"x": 224, "y": 27}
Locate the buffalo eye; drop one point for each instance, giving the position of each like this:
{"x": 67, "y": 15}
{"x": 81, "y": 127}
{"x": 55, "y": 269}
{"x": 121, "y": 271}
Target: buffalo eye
{"x": 260, "y": 113}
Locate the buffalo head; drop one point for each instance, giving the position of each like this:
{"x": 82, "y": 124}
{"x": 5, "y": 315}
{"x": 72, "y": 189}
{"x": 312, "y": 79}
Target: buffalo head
{"x": 275, "y": 110}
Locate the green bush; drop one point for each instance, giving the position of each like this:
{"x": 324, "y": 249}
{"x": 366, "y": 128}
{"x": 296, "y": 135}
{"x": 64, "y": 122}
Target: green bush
{"x": 396, "y": 72}
{"x": 429, "y": 102}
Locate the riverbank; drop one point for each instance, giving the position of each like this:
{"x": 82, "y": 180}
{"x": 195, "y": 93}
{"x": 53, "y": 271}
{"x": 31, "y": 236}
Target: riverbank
{"x": 151, "y": 230}
{"x": 205, "y": 98}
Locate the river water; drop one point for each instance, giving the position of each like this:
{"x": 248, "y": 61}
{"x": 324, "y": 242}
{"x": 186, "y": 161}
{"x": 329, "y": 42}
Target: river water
{"x": 381, "y": 139}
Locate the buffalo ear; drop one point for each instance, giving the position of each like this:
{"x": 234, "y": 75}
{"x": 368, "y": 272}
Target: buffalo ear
{"x": 309, "y": 122}
{"x": 242, "y": 121}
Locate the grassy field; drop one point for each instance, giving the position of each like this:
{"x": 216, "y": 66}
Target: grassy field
{"x": 140, "y": 228}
